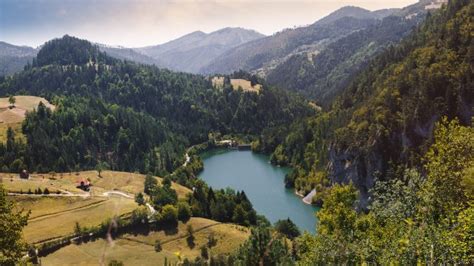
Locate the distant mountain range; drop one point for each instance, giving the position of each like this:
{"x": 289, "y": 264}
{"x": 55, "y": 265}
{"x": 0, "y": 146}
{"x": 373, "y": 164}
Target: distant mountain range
{"x": 232, "y": 49}
{"x": 195, "y": 50}
{"x": 13, "y": 58}
{"x": 262, "y": 56}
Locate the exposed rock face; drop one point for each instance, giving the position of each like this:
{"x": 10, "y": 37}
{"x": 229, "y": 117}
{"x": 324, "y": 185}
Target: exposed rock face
{"x": 363, "y": 169}
{"x": 346, "y": 166}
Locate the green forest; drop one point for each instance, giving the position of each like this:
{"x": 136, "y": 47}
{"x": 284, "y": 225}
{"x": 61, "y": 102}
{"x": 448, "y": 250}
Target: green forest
{"x": 392, "y": 158}
{"x": 390, "y": 155}
{"x": 131, "y": 117}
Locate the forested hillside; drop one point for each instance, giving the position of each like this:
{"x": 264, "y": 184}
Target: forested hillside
{"x": 132, "y": 117}
{"x": 392, "y": 161}
{"x": 322, "y": 76}
{"x": 262, "y": 55}
{"x": 13, "y": 58}
{"x": 385, "y": 117}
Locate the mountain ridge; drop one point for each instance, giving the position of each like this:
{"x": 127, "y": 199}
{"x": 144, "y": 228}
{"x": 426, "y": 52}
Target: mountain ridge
{"x": 191, "y": 51}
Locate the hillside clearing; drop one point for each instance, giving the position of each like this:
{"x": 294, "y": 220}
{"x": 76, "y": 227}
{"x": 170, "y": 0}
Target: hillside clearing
{"x": 58, "y": 220}
{"x": 245, "y": 85}
{"x": 53, "y": 215}
{"x": 129, "y": 183}
{"x": 139, "y": 249}
{"x": 14, "y": 117}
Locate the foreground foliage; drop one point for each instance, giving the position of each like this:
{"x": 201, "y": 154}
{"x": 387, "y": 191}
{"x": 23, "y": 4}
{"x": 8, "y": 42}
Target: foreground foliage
{"x": 412, "y": 219}
{"x": 12, "y": 246}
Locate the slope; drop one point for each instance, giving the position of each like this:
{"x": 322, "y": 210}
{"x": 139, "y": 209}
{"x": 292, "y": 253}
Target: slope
{"x": 322, "y": 76}
{"x": 262, "y": 55}
{"x": 385, "y": 118}
{"x": 13, "y": 58}
{"x": 192, "y": 51}
{"x": 132, "y": 117}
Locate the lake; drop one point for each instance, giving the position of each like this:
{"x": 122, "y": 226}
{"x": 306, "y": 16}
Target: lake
{"x": 262, "y": 182}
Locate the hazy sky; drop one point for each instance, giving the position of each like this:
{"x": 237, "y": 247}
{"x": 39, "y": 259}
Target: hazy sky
{"x": 135, "y": 23}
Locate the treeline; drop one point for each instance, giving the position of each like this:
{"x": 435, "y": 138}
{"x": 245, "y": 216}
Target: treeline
{"x": 131, "y": 117}
{"x": 82, "y": 133}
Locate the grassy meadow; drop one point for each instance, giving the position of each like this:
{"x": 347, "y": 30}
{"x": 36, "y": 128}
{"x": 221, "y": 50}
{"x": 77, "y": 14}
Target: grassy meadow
{"x": 13, "y": 117}
{"x": 139, "y": 249}
{"x": 55, "y": 215}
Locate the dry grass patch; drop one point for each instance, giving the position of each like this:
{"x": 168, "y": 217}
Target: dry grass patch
{"x": 15, "y": 116}
{"x": 139, "y": 249}
{"x": 126, "y": 182}
{"x": 42, "y": 206}
{"x": 100, "y": 252}
{"x": 245, "y": 85}
{"x": 27, "y": 103}
{"x": 57, "y": 222}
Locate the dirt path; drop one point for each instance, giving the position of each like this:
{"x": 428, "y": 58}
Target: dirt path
{"x": 115, "y": 192}
{"x": 85, "y": 207}
{"x": 170, "y": 240}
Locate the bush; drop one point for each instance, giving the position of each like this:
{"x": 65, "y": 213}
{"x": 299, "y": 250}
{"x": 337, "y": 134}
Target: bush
{"x": 190, "y": 238}
{"x": 204, "y": 252}
{"x": 184, "y": 212}
{"x": 169, "y": 215}
{"x": 288, "y": 228}
{"x": 115, "y": 263}
{"x": 139, "y": 199}
{"x": 158, "y": 247}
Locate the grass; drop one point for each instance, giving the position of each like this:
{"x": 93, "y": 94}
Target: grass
{"x": 245, "y": 85}
{"x": 110, "y": 180}
{"x": 59, "y": 220}
{"x": 42, "y": 206}
{"x": 15, "y": 116}
{"x": 139, "y": 249}
{"x": 55, "y": 216}
{"x": 26, "y": 102}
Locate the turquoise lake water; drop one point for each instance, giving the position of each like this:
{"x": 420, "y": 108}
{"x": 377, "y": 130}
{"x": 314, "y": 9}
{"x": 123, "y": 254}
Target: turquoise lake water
{"x": 262, "y": 183}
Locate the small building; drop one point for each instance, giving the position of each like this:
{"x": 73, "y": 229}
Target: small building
{"x": 84, "y": 185}
{"x": 24, "y": 174}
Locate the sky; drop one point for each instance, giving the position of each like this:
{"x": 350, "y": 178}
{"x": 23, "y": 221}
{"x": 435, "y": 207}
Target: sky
{"x": 137, "y": 23}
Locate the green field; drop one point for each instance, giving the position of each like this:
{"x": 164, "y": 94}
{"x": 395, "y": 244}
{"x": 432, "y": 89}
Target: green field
{"x": 139, "y": 250}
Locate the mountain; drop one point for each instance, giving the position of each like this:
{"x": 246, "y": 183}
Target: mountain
{"x": 192, "y": 51}
{"x": 128, "y": 54}
{"x": 13, "y": 58}
{"x": 143, "y": 117}
{"x": 322, "y": 76}
{"x": 395, "y": 154}
{"x": 263, "y": 55}
{"x": 383, "y": 121}
{"x": 356, "y": 12}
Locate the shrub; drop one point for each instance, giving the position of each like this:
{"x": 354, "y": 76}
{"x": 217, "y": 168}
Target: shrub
{"x": 184, "y": 212}
{"x": 158, "y": 247}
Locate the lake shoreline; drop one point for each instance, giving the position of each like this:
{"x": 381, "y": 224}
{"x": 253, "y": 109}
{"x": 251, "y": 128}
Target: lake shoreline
{"x": 250, "y": 172}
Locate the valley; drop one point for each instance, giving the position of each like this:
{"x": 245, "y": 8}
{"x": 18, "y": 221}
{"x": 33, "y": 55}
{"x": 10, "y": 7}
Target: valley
{"x": 345, "y": 141}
